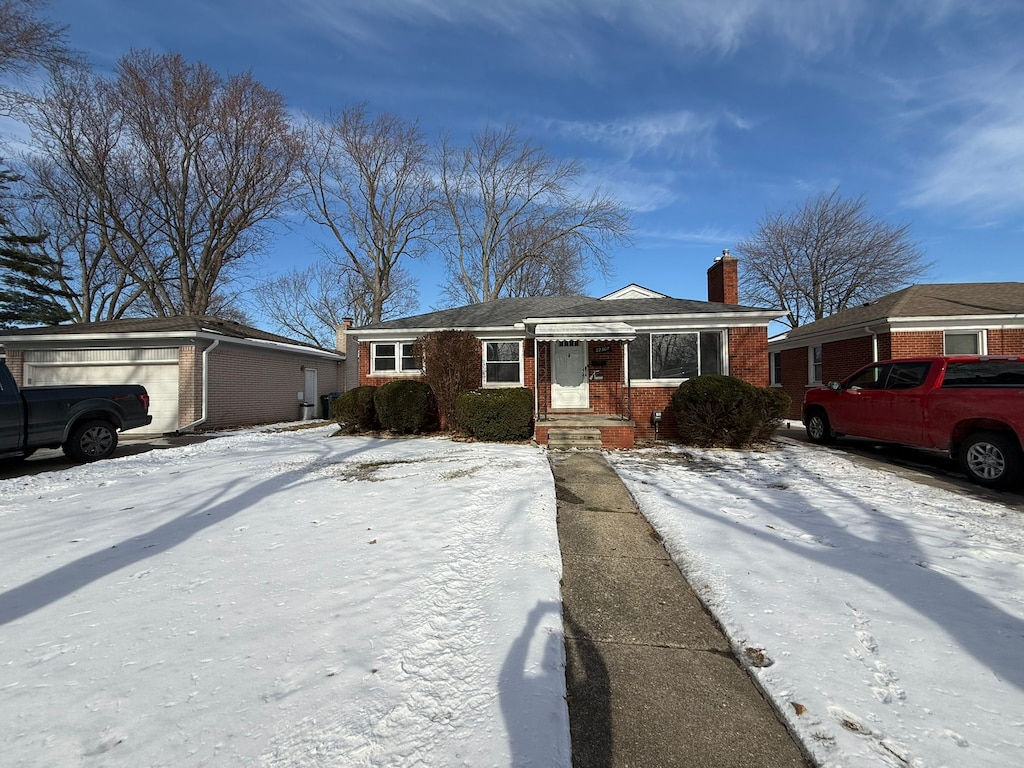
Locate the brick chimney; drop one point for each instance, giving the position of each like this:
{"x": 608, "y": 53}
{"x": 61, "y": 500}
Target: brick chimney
{"x": 723, "y": 279}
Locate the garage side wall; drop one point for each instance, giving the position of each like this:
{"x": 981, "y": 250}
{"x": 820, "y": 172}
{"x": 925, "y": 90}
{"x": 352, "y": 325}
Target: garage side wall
{"x": 259, "y": 387}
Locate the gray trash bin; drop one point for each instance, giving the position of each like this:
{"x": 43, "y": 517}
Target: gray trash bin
{"x": 307, "y": 412}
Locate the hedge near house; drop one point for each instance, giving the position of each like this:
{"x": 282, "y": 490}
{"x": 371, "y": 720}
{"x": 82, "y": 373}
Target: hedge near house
{"x": 406, "y": 407}
{"x": 497, "y": 415}
{"x": 726, "y": 412}
{"x": 354, "y": 410}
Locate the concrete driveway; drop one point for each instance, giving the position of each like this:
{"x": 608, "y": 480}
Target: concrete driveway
{"x": 50, "y": 459}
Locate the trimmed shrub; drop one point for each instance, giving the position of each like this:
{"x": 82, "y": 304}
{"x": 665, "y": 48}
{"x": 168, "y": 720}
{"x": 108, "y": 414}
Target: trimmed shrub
{"x": 774, "y": 409}
{"x": 496, "y": 415}
{"x": 406, "y": 406}
{"x": 724, "y": 411}
{"x": 354, "y": 410}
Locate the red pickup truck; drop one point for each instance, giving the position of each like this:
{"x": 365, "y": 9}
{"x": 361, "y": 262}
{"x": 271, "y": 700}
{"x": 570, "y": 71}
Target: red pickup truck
{"x": 970, "y": 406}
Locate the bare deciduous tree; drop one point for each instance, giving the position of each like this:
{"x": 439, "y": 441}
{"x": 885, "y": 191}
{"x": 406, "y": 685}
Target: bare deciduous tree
{"x": 311, "y": 303}
{"x": 370, "y": 186}
{"x": 826, "y": 256}
{"x": 27, "y": 42}
{"x": 514, "y": 223}
{"x": 183, "y": 170}
{"x": 95, "y": 287}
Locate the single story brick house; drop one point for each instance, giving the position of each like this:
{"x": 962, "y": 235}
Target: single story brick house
{"x": 199, "y": 371}
{"x": 924, "y": 319}
{"x": 599, "y": 368}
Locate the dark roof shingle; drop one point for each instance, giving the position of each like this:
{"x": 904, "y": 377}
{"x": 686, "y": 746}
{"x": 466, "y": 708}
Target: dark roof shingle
{"x": 926, "y": 300}
{"x": 185, "y": 323}
{"x": 509, "y": 311}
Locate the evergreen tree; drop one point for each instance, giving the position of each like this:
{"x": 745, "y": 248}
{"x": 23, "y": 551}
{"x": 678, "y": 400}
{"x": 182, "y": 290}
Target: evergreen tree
{"x": 30, "y": 291}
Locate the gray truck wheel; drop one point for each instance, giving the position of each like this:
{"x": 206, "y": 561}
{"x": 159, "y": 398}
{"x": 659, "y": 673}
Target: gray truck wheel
{"x": 91, "y": 440}
{"x": 991, "y": 459}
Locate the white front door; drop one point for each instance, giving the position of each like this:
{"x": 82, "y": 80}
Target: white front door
{"x": 569, "y": 384}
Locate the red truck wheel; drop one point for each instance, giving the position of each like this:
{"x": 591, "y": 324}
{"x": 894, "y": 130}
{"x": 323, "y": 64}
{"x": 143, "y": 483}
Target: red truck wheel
{"x": 91, "y": 440}
{"x": 818, "y": 429}
{"x": 992, "y": 459}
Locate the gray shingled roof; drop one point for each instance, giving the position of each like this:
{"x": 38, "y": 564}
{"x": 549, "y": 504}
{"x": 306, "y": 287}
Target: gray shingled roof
{"x": 188, "y": 324}
{"x": 509, "y": 311}
{"x": 926, "y": 300}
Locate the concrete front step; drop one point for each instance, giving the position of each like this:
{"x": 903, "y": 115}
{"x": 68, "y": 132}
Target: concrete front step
{"x": 581, "y": 438}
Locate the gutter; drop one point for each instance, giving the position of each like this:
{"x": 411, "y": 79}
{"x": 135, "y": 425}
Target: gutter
{"x": 206, "y": 389}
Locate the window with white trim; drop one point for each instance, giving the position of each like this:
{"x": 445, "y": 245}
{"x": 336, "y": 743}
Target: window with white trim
{"x": 394, "y": 357}
{"x": 503, "y": 362}
{"x": 775, "y": 368}
{"x": 962, "y": 342}
{"x": 814, "y": 364}
{"x": 676, "y": 355}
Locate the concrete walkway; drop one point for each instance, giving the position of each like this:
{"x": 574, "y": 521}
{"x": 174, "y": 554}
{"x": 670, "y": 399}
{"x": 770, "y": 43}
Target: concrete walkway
{"x": 651, "y": 679}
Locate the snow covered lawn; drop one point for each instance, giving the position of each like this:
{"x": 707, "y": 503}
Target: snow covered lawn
{"x": 890, "y": 615}
{"x": 285, "y": 599}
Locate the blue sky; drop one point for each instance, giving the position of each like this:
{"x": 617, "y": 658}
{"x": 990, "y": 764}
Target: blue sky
{"x": 697, "y": 114}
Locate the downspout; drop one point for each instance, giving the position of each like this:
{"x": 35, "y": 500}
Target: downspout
{"x": 206, "y": 388}
{"x": 874, "y": 343}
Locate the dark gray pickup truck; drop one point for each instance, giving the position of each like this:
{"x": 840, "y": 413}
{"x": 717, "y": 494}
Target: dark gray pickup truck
{"x": 83, "y": 420}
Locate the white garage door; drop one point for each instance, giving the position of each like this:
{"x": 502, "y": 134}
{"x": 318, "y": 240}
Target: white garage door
{"x": 155, "y": 369}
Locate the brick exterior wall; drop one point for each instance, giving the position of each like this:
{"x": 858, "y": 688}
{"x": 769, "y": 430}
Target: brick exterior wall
{"x": 747, "y": 358}
{"x": 1006, "y": 341}
{"x": 841, "y": 358}
{"x": 258, "y": 387}
{"x": 794, "y": 378}
{"x": 647, "y": 400}
{"x": 915, "y": 344}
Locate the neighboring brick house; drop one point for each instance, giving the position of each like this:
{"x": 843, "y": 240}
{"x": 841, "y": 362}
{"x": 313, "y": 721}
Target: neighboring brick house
{"x": 600, "y": 365}
{"x": 945, "y": 318}
{"x": 199, "y": 371}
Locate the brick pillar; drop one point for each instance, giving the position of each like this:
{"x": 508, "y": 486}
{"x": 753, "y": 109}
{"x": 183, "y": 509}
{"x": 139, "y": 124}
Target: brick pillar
{"x": 723, "y": 279}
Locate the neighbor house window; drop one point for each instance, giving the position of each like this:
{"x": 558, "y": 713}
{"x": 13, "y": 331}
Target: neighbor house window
{"x": 775, "y": 360}
{"x": 502, "y": 362}
{"x": 676, "y": 355}
{"x": 815, "y": 366}
{"x": 394, "y": 357}
{"x": 962, "y": 342}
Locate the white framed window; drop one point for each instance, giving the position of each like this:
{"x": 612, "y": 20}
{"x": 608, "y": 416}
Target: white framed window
{"x": 775, "y": 368}
{"x": 503, "y": 363}
{"x": 393, "y": 357}
{"x": 814, "y": 365}
{"x": 963, "y": 342}
{"x": 676, "y": 356}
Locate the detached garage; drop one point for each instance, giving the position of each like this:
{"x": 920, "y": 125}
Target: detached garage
{"x": 199, "y": 371}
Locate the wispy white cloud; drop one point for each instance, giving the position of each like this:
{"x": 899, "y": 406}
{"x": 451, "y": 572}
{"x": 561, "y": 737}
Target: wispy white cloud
{"x": 809, "y": 28}
{"x": 705, "y": 236}
{"x": 680, "y": 133}
{"x": 979, "y": 162}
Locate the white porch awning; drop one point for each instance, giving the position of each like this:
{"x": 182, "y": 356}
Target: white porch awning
{"x": 584, "y": 332}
